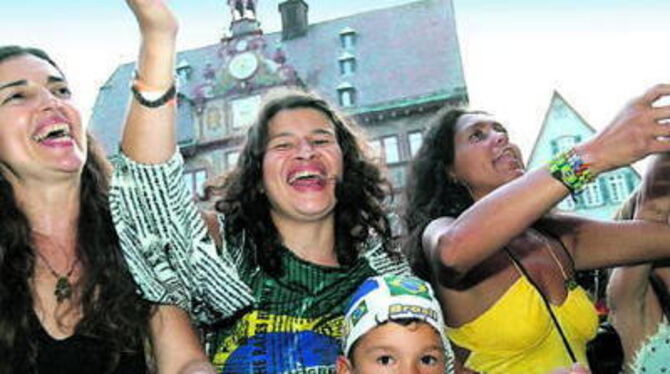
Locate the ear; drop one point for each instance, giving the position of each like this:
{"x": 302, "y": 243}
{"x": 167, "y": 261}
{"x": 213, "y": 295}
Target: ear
{"x": 343, "y": 366}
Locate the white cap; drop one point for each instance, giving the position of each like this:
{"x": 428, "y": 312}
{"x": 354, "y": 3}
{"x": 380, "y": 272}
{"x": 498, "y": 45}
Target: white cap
{"x": 393, "y": 297}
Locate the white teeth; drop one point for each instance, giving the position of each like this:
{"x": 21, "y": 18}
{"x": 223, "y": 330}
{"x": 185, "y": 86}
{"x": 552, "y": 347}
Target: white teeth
{"x": 302, "y": 174}
{"x": 62, "y": 128}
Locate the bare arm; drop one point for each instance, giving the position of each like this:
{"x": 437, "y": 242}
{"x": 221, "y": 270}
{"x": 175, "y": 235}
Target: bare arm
{"x": 646, "y": 238}
{"x": 149, "y": 134}
{"x": 493, "y": 221}
{"x": 635, "y": 312}
{"x": 176, "y": 345}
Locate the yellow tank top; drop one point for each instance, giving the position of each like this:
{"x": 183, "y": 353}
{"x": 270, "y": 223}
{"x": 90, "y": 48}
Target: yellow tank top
{"x": 517, "y": 335}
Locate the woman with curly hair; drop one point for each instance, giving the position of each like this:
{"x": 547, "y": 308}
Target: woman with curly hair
{"x": 67, "y": 301}
{"x": 482, "y": 231}
{"x": 301, "y": 224}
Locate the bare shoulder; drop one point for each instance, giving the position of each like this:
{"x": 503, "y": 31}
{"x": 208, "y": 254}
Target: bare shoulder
{"x": 433, "y": 232}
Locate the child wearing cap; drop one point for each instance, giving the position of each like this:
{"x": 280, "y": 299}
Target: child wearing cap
{"x": 394, "y": 324}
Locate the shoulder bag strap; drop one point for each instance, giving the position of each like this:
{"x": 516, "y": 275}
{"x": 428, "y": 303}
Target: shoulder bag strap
{"x": 546, "y": 303}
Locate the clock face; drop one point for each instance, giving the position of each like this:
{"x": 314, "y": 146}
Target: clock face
{"x": 243, "y": 65}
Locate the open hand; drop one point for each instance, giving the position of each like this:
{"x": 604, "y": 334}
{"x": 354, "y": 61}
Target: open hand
{"x": 154, "y": 16}
{"x": 633, "y": 134}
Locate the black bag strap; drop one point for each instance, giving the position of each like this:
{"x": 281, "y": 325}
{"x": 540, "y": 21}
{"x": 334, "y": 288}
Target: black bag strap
{"x": 566, "y": 344}
{"x": 661, "y": 292}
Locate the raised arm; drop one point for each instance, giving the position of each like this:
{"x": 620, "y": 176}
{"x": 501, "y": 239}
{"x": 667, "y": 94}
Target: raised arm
{"x": 462, "y": 243}
{"x": 162, "y": 234}
{"x": 149, "y": 134}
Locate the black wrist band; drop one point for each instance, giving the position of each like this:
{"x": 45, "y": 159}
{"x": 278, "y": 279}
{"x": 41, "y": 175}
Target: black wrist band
{"x": 167, "y": 96}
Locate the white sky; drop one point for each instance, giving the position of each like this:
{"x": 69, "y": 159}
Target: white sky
{"x": 596, "y": 53}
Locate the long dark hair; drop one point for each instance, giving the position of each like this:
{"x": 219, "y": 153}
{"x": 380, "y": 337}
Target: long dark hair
{"x": 430, "y": 192}
{"x": 359, "y": 212}
{"x": 112, "y": 310}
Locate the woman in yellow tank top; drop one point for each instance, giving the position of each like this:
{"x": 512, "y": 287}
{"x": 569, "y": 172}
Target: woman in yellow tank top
{"x": 481, "y": 230}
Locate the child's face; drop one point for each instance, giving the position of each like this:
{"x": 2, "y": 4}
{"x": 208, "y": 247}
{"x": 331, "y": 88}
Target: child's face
{"x": 394, "y": 348}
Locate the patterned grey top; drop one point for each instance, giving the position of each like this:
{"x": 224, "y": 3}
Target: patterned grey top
{"x": 169, "y": 251}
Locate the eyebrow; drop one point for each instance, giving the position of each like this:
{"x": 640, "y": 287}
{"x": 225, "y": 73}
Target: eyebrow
{"x": 23, "y": 82}
{"x": 319, "y": 131}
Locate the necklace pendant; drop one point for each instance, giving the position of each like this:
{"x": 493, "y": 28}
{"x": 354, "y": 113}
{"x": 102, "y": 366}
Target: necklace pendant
{"x": 571, "y": 284}
{"x": 63, "y": 289}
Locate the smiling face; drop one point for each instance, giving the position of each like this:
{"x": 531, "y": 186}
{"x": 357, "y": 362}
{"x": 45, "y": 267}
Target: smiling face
{"x": 41, "y": 134}
{"x": 395, "y": 348}
{"x": 301, "y": 165}
{"x": 484, "y": 159}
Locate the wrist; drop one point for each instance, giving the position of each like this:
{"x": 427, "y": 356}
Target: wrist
{"x": 589, "y": 155}
{"x": 570, "y": 169}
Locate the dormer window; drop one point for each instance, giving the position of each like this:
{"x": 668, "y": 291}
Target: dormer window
{"x": 564, "y": 143}
{"x": 347, "y": 64}
{"x": 347, "y": 95}
{"x": 348, "y": 38}
{"x": 184, "y": 70}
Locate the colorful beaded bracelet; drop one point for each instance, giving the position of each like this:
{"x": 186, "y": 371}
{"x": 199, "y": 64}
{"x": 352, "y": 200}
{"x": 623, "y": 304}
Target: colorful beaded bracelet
{"x": 570, "y": 169}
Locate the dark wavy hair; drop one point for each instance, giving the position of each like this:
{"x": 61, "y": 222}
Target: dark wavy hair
{"x": 360, "y": 210}
{"x": 113, "y": 313}
{"x": 430, "y": 192}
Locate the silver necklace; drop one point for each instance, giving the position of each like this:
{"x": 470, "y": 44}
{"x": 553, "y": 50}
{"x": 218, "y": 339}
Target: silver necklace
{"x": 63, "y": 289}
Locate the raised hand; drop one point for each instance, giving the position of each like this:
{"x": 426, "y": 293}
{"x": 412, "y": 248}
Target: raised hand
{"x": 154, "y": 17}
{"x": 633, "y": 134}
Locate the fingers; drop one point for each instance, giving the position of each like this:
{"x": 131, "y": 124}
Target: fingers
{"x": 154, "y": 17}
{"x": 661, "y": 114}
{"x": 655, "y": 93}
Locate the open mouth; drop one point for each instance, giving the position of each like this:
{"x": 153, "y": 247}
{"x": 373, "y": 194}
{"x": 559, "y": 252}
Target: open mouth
{"x": 306, "y": 177}
{"x": 53, "y": 132}
{"x": 508, "y": 156}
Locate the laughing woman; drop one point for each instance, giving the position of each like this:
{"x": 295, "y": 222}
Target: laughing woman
{"x": 277, "y": 261}
{"x": 503, "y": 264}
{"x": 67, "y": 301}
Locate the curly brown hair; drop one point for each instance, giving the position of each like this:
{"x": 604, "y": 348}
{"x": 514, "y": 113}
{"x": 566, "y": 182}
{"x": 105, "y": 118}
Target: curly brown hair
{"x": 360, "y": 211}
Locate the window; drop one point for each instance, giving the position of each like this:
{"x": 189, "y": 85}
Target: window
{"x": 564, "y": 143}
{"x": 348, "y": 38}
{"x": 245, "y": 110}
{"x": 391, "y": 150}
{"x": 567, "y": 204}
{"x": 376, "y": 146}
{"x": 195, "y": 179}
{"x": 617, "y": 188}
{"x": 347, "y": 65}
{"x": 347, "y": 95}
{"x": 591, "y": 195}
{"x": 397, "y": 177}
{"x": 231, "y": 159}
{"x": 184, "y": 71}
{"x": 415, "y": 141}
